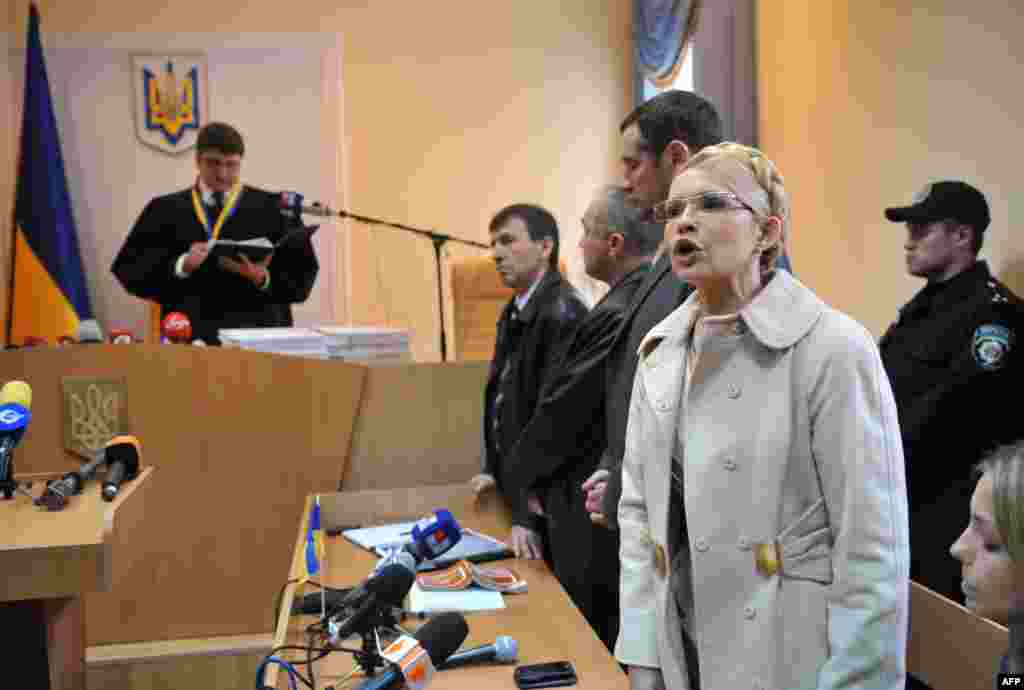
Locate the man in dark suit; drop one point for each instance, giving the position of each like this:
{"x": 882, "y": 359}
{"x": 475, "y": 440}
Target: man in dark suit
{"x": 561, "y": 444}
{"x": 658, "y": 138}
{"x": 165, "y": 257}
{"x": 534, "y": 331}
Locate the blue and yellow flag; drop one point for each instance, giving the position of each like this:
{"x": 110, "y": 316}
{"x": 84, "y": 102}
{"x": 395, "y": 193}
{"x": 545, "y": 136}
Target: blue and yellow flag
{"x": 49, "y": 296}
{"x": 314, "y": 541}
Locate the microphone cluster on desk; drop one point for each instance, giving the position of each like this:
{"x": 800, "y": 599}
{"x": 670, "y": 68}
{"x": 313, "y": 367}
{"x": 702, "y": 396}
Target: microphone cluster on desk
{"x": 368, "y": 608}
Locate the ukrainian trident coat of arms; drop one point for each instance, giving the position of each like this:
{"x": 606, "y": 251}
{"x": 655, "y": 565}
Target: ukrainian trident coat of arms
{"x": 170, "y": 101}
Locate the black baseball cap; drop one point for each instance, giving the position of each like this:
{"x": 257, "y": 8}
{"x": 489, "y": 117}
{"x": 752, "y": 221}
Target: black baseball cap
{"x": 951, "y": 199}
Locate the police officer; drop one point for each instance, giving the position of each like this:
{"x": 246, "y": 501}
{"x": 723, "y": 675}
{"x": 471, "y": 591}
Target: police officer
{"x": 953, "y": 357}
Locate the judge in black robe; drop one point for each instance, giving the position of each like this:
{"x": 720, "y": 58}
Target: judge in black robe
{"x": 233, "y": 293}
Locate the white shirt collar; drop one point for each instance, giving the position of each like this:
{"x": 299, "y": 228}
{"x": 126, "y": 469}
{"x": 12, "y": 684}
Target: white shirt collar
{"x": 522, "y": 299}
{"x": 207, "y": 194}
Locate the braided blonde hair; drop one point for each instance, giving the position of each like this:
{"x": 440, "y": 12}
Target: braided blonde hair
{"x": 767, "y": 177}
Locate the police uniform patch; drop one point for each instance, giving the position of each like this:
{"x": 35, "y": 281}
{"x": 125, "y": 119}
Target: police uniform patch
{"x": 991, "y": 345}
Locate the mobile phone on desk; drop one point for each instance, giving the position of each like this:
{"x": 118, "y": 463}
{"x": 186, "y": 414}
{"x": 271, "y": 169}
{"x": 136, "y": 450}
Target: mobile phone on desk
{"x": 548, "y": 675}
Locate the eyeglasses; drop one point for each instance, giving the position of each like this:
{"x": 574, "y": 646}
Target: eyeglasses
{"x": 708, "y": 202}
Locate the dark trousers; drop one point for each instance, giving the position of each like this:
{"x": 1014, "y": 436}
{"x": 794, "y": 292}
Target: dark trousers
{"x": 586, "y": 559}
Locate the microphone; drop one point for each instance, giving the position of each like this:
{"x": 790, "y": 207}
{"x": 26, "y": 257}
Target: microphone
{"x": 292, "y": 207}
{"x": 385, "y": 589}
{"x": 176, "y": 328}
{"x": 504, "y": 650}
{"x": 15, "y": 414}
{"x": 122, "y": 455}
{"x": 89, "y": 332}
{"x": 430, "y": 537}
{"x": 334, "y": 599}
{"x": 414, "y": 658}
{"x": 57, "y": 492}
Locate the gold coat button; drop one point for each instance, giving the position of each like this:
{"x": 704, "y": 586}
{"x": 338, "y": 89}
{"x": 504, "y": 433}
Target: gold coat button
{"x": 767, "y": 558}
{"x": 661, "y": 561}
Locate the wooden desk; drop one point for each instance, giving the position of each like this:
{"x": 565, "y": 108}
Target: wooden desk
{"x": 544, "y": 622}
{"x": 49, "y": 560}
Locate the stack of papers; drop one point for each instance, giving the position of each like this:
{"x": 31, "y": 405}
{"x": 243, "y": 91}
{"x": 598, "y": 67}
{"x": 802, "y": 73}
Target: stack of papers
{"x": 366, "y": 343}
{"x": 283, "y": 341}
{"x": 426, "y": 601}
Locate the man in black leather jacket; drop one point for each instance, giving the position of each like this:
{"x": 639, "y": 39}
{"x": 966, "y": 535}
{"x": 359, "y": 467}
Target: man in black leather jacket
{"x": 534, "y": 331}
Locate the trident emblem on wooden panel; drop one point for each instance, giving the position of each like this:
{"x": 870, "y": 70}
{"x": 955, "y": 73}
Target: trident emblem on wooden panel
{"x": 95, "y": 410}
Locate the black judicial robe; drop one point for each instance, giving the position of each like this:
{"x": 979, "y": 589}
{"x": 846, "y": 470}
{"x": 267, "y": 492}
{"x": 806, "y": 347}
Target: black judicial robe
{"x": 211, "y": 297}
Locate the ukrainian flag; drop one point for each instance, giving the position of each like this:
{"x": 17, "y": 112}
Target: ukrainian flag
{"x": 49, "y": 296}
{"x": 314, "y": 542}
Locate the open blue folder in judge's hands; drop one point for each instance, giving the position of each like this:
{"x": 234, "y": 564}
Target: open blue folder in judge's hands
{"x": 473, "y": 546}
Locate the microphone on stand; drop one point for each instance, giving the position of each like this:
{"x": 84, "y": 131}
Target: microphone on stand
{"x": 413, "y": 659}
{"x": 292, "y": 206}
{"x": 383, "y": 590}
{"x": 57, "y": 492}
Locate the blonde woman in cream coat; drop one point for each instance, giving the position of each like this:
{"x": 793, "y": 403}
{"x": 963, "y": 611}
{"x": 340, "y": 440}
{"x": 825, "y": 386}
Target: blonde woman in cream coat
{"x": 774, "y": 412}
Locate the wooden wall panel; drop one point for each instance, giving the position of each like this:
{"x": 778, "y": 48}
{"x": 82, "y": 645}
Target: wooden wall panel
{"x": 419, "y": 424}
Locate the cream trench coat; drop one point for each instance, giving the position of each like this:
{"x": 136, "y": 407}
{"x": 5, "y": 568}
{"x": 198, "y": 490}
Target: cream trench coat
{"x": 795, "y": 504}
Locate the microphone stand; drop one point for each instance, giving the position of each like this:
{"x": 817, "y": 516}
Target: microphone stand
{"x": 438, "y": 240}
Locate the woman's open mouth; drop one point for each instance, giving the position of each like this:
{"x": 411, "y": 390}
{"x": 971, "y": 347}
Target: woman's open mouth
{"x": 685, "y": 248}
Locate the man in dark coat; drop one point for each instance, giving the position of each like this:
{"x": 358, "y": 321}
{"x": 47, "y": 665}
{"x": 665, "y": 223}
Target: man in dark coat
{"x": 164, "y": 258}
{"x": 658, "y": 138}
{"x": 563, "y": 441}
{"x": 534, "y": 331}
{"x": 954, "y": 361}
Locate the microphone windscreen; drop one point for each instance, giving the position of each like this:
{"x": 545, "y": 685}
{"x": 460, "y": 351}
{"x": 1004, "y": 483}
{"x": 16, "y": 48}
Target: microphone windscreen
{"x": 442, "y": 635}
{"x": 124, "y": 449}
{"x": 391, "y": 584}
{"x": 506, "y": 649}
{"x": 17, "y": 392}
{"x": 89, "y": 332}
{"x": 176, "y": 327}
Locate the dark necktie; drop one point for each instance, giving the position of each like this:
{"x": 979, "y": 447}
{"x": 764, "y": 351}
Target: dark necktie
{"x": 508, "y": 348}
{"x": 216, "y": 206}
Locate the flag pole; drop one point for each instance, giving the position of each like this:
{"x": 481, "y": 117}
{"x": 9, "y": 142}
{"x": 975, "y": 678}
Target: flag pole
{"x": 323, "y": 569}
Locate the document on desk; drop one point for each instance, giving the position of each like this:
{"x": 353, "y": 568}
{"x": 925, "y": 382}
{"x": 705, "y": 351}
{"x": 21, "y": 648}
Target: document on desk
{"x": 472, "y": 546}
{"x": 462, "y": 601}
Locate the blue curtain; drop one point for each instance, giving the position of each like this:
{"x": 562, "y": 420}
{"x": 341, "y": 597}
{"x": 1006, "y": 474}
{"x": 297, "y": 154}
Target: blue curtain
{"x": 659, "y": 29}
